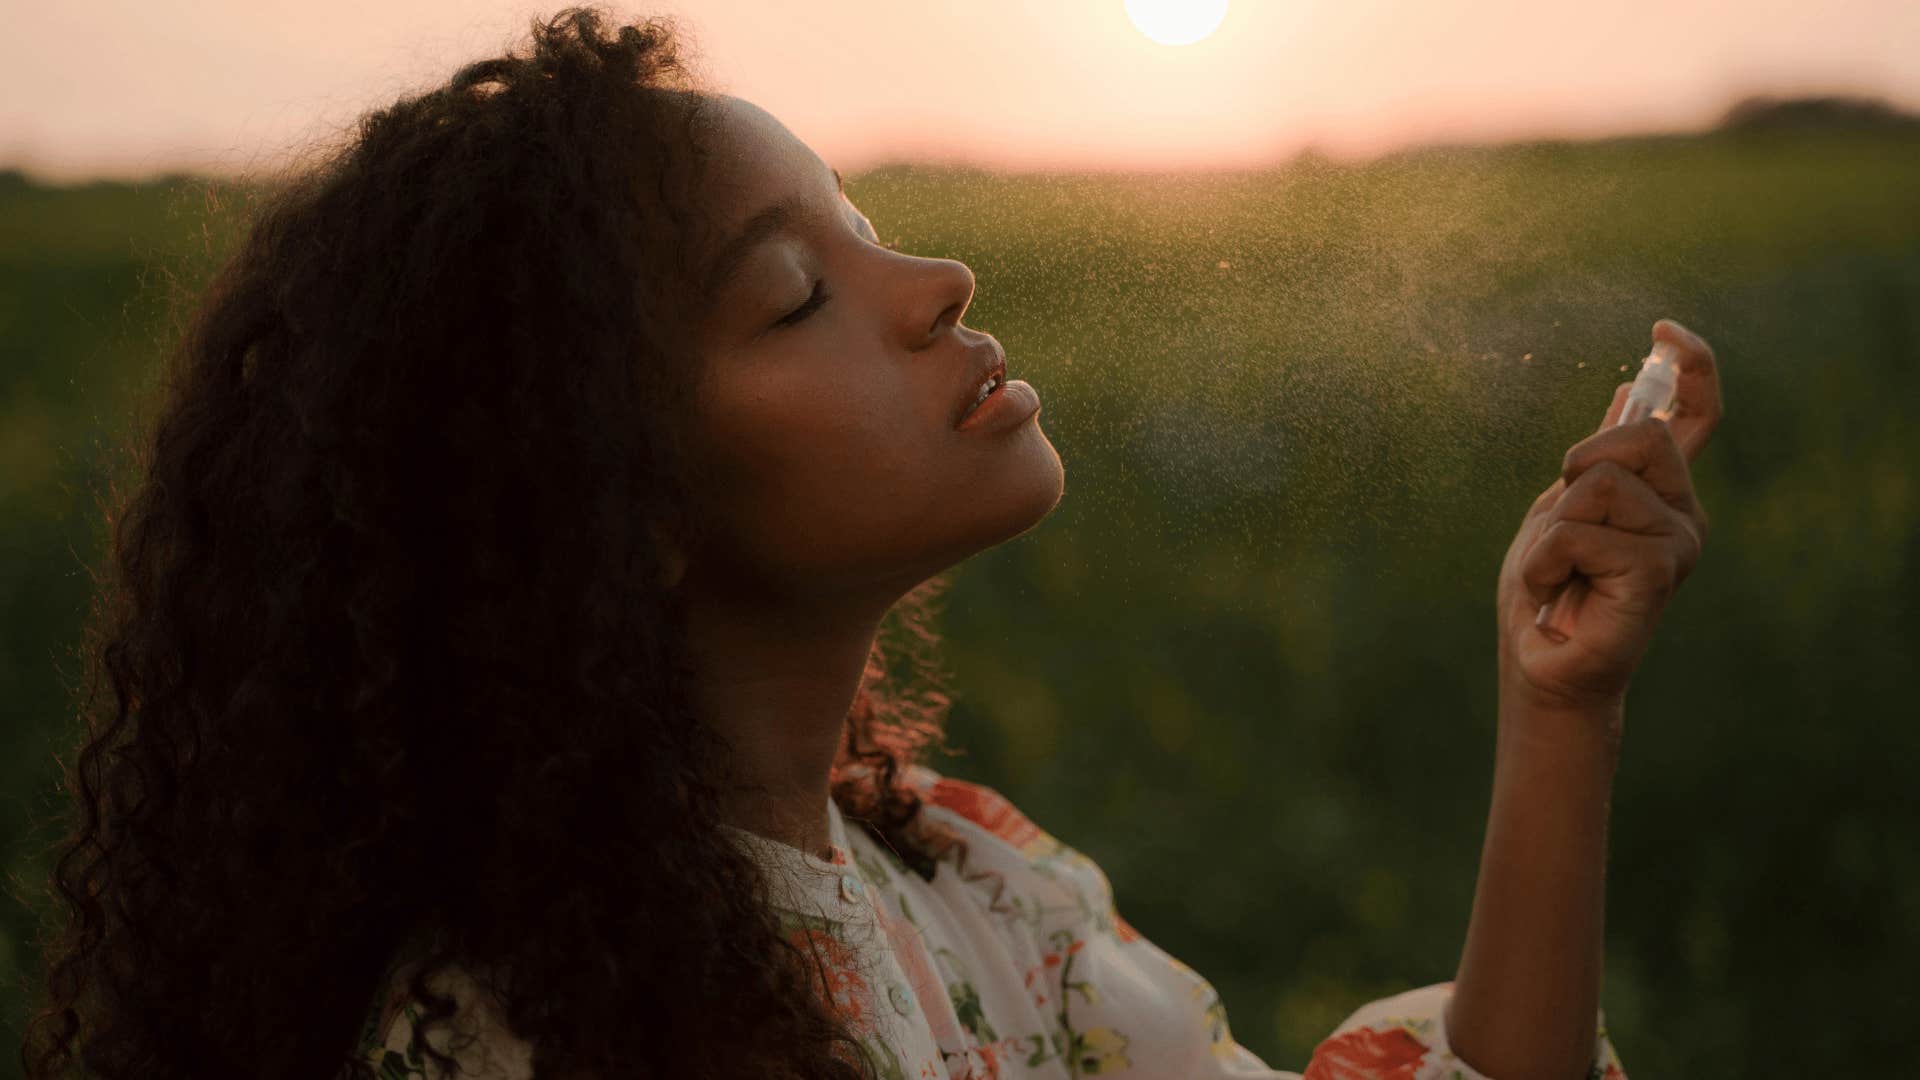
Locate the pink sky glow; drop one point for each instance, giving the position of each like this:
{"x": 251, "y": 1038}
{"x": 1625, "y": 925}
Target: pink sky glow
{"x": 127, "y": 89}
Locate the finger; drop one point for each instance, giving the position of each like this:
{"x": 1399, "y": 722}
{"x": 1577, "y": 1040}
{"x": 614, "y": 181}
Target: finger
{"x": 1545, "y": 500}
{"x": 1619, "y": 404}
{"x": 1647, "y": 448}
{"x": 1697, "y": 402}
{"x": 1608, "y": 494}
{"x": 1598, "y": 552}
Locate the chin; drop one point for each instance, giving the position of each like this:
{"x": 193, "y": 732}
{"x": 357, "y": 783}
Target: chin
{"x": 1058, "y": 475}
{"x": 1027, "y": 484}
{"x": 1034, "y": 485}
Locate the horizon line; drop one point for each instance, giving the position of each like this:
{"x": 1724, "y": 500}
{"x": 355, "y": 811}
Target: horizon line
{"x": 1756, "y": 111}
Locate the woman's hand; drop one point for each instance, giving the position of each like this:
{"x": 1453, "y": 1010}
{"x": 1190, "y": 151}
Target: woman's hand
{"x": 1622, "y": 517}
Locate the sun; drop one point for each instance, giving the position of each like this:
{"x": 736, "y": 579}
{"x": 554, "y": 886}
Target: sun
{"x": 1176, "y": 22}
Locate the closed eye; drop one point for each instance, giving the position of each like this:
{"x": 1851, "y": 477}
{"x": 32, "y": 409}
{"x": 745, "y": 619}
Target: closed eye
{"x": 820, "y": 295}
{"x": 814, "y": 299}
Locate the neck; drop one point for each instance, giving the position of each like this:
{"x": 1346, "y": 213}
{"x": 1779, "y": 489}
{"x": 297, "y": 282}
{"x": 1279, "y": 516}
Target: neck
{"x": 777, "y": 682}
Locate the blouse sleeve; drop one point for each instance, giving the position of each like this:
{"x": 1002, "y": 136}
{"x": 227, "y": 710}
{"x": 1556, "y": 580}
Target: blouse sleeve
{"x": 1129, "y": 1008}
{"x": 1406, "y": 1036}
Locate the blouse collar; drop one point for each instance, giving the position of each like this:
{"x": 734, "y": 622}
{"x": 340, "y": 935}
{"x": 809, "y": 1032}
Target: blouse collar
{"x": 802, "y": 880}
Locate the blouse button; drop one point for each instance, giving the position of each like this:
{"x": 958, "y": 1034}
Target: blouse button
{"x": 902, "y": 1004}
{"x": 849, "y": 888}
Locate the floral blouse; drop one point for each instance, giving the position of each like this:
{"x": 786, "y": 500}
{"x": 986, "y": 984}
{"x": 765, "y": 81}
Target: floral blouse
{"x": 1026, "y": 976}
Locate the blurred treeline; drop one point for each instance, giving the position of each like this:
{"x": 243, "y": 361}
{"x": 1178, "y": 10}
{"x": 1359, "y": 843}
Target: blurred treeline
{"x": 1248, "y": 663}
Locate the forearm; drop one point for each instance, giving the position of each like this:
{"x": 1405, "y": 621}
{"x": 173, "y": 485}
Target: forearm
{"x": 1527, "y": 993}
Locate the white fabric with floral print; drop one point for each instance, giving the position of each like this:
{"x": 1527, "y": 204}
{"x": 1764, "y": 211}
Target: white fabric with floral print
{"x": 1031, "y": 974}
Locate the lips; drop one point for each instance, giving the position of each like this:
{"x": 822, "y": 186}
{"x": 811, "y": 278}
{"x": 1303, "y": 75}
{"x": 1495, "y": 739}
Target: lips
{"x": 984, "y": 361}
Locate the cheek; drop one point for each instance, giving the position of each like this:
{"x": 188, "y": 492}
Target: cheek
{"x": 802, "y": 457}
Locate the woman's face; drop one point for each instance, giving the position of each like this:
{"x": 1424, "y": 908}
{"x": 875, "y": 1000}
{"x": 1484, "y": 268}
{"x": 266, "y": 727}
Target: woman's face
{"x": 833, "y": 373}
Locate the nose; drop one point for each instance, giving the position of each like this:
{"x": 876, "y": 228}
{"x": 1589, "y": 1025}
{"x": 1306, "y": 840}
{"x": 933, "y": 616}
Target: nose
{"x": 946, "y": 290}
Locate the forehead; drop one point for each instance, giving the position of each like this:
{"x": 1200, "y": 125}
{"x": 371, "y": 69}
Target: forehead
{"x": 755, "y": 160}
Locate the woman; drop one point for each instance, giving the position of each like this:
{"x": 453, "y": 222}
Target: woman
{"x": 503, "y": 640}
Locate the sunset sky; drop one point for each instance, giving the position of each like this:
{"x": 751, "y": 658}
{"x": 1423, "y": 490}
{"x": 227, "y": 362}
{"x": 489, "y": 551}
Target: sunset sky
{"x": 125, "y": 89}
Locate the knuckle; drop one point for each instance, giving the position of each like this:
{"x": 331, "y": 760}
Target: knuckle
{"x": 1669, "y": 442}
{"x": 1530, "y": 574}
{"x": 1665, "y": 574}
{"x": 1603, "y": 479}
{"x": 1684, "y": 560}
{"x": 1543, "y": 545}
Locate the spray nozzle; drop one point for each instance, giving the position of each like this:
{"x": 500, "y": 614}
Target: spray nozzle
{"x": 1653, "y": 389}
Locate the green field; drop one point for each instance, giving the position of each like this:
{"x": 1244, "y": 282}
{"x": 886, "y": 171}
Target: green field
{"x": 1248, "y": 664}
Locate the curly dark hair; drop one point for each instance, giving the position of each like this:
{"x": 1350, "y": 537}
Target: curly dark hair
{"x": 384, "y": 621}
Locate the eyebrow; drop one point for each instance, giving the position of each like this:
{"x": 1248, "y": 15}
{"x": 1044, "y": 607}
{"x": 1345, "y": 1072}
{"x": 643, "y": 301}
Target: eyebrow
{"x": 762, "y": 226}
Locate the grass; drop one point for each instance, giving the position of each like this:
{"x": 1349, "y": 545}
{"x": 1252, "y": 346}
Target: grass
{"x": 1248, "y": 663}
